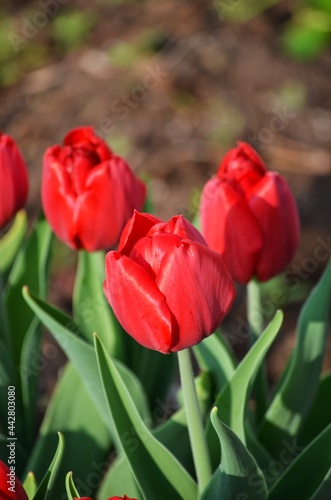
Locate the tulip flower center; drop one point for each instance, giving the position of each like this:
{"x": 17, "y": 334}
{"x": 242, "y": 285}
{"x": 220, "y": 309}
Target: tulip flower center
{"x": 149, "y": 252}
{"x": 77, "y": 163}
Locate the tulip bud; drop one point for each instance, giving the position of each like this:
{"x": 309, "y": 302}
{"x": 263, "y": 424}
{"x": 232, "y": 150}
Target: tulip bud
{"x": 249, "y": 216}
{"x": 166, "y": 287}
{"x": 14, "y": 180}
{"x": 88, "y": 193}
{"x": 10, "y": 487}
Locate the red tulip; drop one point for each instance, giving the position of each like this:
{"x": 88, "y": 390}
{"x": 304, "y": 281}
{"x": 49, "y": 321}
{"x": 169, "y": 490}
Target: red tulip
{"x": 14, "y": 179}
{"x": 249, "y": 215}
{"x": 10, "y": 487}
{"x": 88, "y": 193}
{"x": 167, "y": 288}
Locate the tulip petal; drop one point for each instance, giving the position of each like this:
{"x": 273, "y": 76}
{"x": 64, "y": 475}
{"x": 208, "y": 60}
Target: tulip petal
{"x": 101, "y": 212}
{"x": 138, "y": 304}
{"x": 181, "y": 227}
{"x": 273, "y": 206}
{"x": 85, "y": 135}
{"x": 14, "y": 179}
{"x": 198, "y": 289}
{"x": 18, "y": 492}
{"x": 229, "y": 228}
{"x": 57, "y": 200}
{"x": 137, "y": 227}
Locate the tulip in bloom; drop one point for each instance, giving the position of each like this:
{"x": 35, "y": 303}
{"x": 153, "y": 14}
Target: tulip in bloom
{"x": 10, "y": 487}
{"x": 14, "y": 180}
{"x": 166, "y": 287}
{"x": 249, "y": 215}
{"x": 88, "y": 193}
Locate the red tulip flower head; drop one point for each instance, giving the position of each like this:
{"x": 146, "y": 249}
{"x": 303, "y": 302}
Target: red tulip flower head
{"x": 166, "y": 287}
{"x": 249, "y": 215}
{"x": 10, "y": 487}
{"x": 88, "y": 193}
{"x": 14, "y": 180}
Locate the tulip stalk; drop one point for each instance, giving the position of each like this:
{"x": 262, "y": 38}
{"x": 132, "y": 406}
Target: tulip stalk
{"x": 194, "y": 421}
{"x": 255, "y": 321}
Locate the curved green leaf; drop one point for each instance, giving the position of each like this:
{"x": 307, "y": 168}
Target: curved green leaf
{"x": 72, "y": 412}
{"x": 306, "y": 474}
{"x": 44, "y": 491}
{"x": 82, "y": 356}
{"x": 157, "y": 472}
{"x": 70, "y": 487}
{"x": 238, "y": 475}
{"x": 11, "y": 242}
{"x": 294, "y": 398}
{"x": 30, "y": 485}
{"x": 319, "y": 416}
{"x": 92, "y": 313}
{"x": 214, "y": 356}
{"x": 232, "y": 401}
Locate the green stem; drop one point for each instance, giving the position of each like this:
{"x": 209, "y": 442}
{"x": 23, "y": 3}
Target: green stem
{"x": 194, "y": 421}
{"x": 255, "y": 320}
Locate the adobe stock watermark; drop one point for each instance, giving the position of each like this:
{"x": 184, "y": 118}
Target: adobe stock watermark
{"x": 292, "y": 279}
{"x": 277, "y": 124}
{"x": 274, "y": 469}
{"x": 30, "y": 25}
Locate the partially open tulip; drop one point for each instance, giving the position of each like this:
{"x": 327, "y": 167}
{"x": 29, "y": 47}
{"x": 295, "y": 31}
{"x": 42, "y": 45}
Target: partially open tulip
{"x": 249, "y": 215}
{"x": 88, "y": 193}
{"x": 166, "y": 287}
{"x": 10, "y": 487}
{"x": 13, "y": 179}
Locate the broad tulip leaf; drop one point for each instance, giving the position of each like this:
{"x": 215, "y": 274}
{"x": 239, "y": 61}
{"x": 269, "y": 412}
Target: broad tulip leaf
{"x": 238, "y": 475}
{"x": 294, "y": 398}
{"x": 118, "y": 475}
{"x": 214, "y": 356}
{"x": 155, "y": 370}
{"x": 306, "y": 474}
{"x": 30, "y": 269}
{"x": 71, "y": 411}
{"x": 319, "y": 416}
{"x": 157, "y": 472}
{"x": 11, "y": 242}
{"x": 70, "y": 487}
{"x": 45, "y": 489}
{"x": 30, "y": 485}
{"x": 82, "y": 356}
{"x": 323, "y": 492}
{"x": 232, "y": 401}
{"x": 92, "y": 313}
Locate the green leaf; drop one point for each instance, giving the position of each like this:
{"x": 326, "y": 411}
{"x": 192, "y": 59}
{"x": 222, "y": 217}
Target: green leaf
{"x": 238, "y": 475}
{"x": 118, "y": 475}
{"x": 232, "y": 401}
{"x": 157, "y": 472}
{"x": 306, "y": 474}
{"x": 30, "y": 269}
{"x": 30, "y": 485}
{"x": 70, "y": 487}
{"x": 82, "y": 356}
{"x": 214, "y": 356}
{"x": 92, "y": 313}
{"x": 294, "y": 397}
{"x": 71, "y": 411}
{"x": 319, "y": 416}
{"x": 11, "y": 242}
{"x": 323, "y": 492}
{"x": 45, "y": 491}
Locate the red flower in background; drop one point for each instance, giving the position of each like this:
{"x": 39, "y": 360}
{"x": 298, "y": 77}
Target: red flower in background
{"x": 166, "y": 287}
{"x": 249, "y": 215}
{"x": 10, "y": 487}
{"x": 13, "y": 179}
{"x": 88, "y": 193}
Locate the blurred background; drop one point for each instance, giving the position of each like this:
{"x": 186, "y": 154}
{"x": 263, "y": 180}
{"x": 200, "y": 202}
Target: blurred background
{"x": 172, "y": 85}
